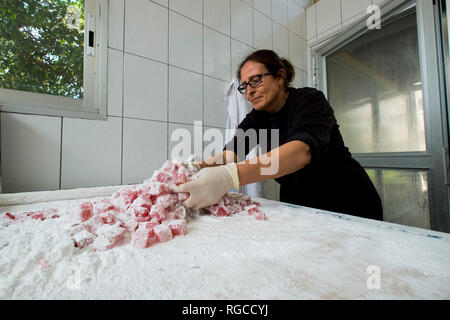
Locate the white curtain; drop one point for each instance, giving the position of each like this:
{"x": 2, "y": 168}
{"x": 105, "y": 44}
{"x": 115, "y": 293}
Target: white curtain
{"x": 238, "y": 107}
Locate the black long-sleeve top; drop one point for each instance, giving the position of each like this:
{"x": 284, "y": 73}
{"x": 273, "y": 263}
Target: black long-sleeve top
{"x": 333, "y": 180}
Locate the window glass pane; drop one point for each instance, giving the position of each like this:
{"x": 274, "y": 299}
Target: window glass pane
{"x": 374, "y": 86}
{"x": 41, "y": 46}
{"x": 404, "y": 195}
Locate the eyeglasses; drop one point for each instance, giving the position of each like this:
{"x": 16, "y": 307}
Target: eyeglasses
{"x": 254, "y": 82}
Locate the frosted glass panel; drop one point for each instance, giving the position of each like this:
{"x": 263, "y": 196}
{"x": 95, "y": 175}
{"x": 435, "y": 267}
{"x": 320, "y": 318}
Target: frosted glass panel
{"x": 374, "y": 85}
{"x": 404, "y": 195}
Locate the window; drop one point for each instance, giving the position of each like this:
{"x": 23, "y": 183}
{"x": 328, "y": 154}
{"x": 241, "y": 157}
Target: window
{"x": 53, "y": 57}
{"x": 386, "y": 89}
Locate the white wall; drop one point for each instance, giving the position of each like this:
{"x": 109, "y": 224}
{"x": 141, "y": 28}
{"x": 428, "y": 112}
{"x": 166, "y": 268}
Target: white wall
{"x": 170, "y": 63}
{"x": 328, "y": 17}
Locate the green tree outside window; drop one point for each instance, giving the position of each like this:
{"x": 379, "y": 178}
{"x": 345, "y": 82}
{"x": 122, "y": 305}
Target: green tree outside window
{"x": 42, "y": 46}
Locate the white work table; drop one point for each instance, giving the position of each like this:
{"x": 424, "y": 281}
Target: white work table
{"x": 297, "y": 253}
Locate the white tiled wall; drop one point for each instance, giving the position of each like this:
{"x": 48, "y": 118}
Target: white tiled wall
{"x": 91, "y": 152}
{"x": 169, "y": 64}
{"x": 30, "y": 152}
{"x": 328, "y": 17}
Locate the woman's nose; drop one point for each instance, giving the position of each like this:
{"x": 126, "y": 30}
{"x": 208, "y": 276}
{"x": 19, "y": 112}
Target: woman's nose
{"x": 250, "y": 91}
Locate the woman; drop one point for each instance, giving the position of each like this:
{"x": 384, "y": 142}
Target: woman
{"x": 315, "y": 169}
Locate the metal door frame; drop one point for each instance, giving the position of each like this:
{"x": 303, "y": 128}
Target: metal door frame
{"x": 435, "y": 159}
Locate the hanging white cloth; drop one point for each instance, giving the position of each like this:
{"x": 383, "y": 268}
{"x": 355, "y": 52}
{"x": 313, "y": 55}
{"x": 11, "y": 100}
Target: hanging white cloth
{"x": 238, "y": 107}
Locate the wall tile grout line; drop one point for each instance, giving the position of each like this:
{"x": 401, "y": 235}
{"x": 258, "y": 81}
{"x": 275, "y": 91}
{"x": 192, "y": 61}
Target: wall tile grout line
{"x": 168, "y": 87}
{"x": 61, "y": 154}
{"x": 123, "y": 92}
{"x": 203, "y": 75}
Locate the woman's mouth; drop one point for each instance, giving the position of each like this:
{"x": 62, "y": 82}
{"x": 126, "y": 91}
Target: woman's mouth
{"x": 255, "y": 99}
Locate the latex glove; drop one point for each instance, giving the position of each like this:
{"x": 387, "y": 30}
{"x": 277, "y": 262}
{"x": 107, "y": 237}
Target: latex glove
{"x": 210, "y": 185}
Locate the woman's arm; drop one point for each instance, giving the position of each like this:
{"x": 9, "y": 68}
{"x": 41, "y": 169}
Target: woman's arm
{"x": 279, "y": 162}
{"x": 225, "y": 157}
{"x": 215, "y": 181}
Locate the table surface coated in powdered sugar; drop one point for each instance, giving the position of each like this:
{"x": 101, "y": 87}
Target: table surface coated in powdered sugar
{"x": 297, "y": 253}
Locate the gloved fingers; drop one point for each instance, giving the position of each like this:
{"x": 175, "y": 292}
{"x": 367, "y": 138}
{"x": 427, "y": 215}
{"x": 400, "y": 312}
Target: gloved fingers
{"x": 184, "y": 187}
{"x": 190, "y": 203}
{"x": 177, "y": 188}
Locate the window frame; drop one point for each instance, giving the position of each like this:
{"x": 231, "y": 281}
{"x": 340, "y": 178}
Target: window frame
{"x": 94, "y": 102}
{"x": 434, "y": 158}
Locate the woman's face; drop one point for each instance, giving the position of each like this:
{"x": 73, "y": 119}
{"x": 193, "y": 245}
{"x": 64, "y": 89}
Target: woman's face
{"x": 266, "y": 94}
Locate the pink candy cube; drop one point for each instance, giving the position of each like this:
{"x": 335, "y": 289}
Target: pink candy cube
{"x": 163, "y": 177}
{"x": 177, "y": 226}
{"x": 10, "y": 216}
{"x": 143, "y": 238}
{"x": 162, "y": 233}
{"x": 109, "y": 237}
{"x": 179, "y": 178}
{"x": 83, "y": 239}
{"x": 179, "y": 212}
{"x": 221, "y": 211}
{"x": 251, "y": 209}
{"x": 148, "y": 224}
{"x": 259, "y": 215}
{"x": 157, "y": 213}
{"x": 158, "y": 188}
{"x": 166, "y": 200}
{"x": 141, "y": 214}
{"x": 128, "y": 196}
{"x": 93, "y": 224}
{"x": 86, "y": 211}
{"x": 108, "y": 218}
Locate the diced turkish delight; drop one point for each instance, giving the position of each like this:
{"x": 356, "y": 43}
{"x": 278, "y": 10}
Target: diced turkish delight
{"x": 259, "y": 215}
{"x": 128, "y": 195}
{"x": 166, "y": 200}
{"x": 143, "y": 202}
{"x": 130, "y": 223}
{"x": 180, "y": 212}
{"x": 119, "y": 205}
{"x": 148, "y": 224}
{"x": 108, "y": 217}
{"x": 143, "y": 238}
{"x": 104, "y": 206}
{"x": 10, "y": 216}
{"x": 86, "y": 211}
{"x": 38, "y": 216}
{"x": 168, "y": 166}
{"x": 177, "y": 226}
{"x": 251, "y": 209}
{"x": 219, "y": 210}
{"x": 179, "y": 178}
{"x": 158, "y": 188}
{"x": 157, "y": 212}
{"x": 141, "y": 214}
{"x": 162, "y": 233}
{"x": 236, "y": 208}
{"x": 109, "y": 236}
{"x": 144, "y": 192}
{"x": 77, "y": 228}
{"x": 83, "y": 239}
{"x": 163, "y": 177}
{"x": 93, "y": 224}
